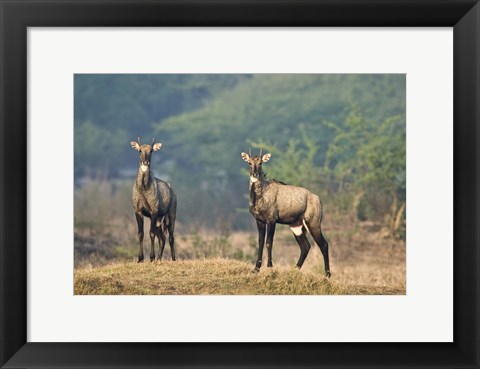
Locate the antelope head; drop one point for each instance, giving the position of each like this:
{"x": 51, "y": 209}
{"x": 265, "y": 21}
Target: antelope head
{"x": 255, "y": 163}
{"x": 145, "y": 151}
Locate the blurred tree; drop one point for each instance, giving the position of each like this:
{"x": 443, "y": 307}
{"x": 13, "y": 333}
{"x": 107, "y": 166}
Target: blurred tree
{"x": 130, "y": 103}
{"x": 371, "y": 158}
{"x": 97, "y": 149}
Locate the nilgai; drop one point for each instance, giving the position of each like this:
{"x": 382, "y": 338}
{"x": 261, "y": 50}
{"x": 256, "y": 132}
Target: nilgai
{"x": 273, "y": 202}
{"x": 154, "y": 199}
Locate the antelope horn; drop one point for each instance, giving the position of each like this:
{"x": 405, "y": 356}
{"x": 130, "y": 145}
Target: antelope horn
{"x": 138, "y": 140}
{"x": 261, "y": 152}
{"x": 153, "y": 141}
{"x": 250, "y": 152}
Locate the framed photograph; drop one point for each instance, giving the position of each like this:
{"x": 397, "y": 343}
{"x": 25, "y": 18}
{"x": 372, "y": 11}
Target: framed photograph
{"x": 239, "y": 184}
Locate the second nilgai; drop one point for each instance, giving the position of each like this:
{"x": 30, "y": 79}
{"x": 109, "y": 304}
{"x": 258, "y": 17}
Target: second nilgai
{"x": 272, "y": 202}
{"x": 154, "y": 199}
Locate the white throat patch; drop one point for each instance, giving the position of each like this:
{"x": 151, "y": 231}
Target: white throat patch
{"x": 144, "y": 168}
{"x": 253, "y": 179}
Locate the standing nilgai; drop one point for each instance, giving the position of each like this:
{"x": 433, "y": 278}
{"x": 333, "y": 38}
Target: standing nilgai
{"x": 154, "y": 199}
{"x": 273, "y": 202}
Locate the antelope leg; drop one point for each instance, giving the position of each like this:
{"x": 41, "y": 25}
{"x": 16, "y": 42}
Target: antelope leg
{"x": 304, "y": 246}
{"x": 270, "y": 234}
{"x": 261, "y": 241}
{"x": 139, "y": 218}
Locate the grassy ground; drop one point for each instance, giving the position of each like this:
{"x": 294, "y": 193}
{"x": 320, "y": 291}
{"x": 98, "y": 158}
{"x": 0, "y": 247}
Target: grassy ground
{"x": 210, "y": 277}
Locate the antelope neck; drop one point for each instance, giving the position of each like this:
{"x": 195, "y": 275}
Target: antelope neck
{"x": 256, "y": 189}
{"x": 143, "y": 178}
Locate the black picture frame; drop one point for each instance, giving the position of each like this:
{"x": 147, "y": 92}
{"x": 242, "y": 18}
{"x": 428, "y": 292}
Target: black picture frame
{"x": 17, "y": 15}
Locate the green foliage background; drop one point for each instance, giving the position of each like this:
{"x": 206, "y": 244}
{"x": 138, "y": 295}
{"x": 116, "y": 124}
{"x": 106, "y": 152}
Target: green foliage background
{"x": 340, "y": 135}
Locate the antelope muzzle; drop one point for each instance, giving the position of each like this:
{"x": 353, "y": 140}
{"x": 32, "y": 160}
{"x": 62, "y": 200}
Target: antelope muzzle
{"x": 144, "y": 164}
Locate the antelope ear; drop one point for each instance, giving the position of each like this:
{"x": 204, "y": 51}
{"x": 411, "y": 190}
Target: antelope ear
{"x": 135, "y": 145}
{"x": 245, "y": 156}
{"x": 157, "y": 146}
{"x": 266, "y": 157}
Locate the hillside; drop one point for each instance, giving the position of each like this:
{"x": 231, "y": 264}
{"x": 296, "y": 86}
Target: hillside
{"x": 270, "y": 108}
{"x": 209, "y": 277}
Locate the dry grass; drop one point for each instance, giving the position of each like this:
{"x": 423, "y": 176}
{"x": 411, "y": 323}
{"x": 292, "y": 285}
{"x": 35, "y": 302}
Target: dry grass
{"x": 209, "y": 277}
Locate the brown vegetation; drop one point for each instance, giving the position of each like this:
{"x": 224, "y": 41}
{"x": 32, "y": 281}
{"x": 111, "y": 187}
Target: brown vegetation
{"x": 209, "y": 277}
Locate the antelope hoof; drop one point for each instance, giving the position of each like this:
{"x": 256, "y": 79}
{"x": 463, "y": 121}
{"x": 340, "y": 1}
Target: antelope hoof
{"x": 255, "y": 270}
{"x": 328, "y": 274}
{"x": 140, "y": 258}
{"x": 152, "y": 258}
{"x": 270, "y": 264}
{"x": 297, "y": 267}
